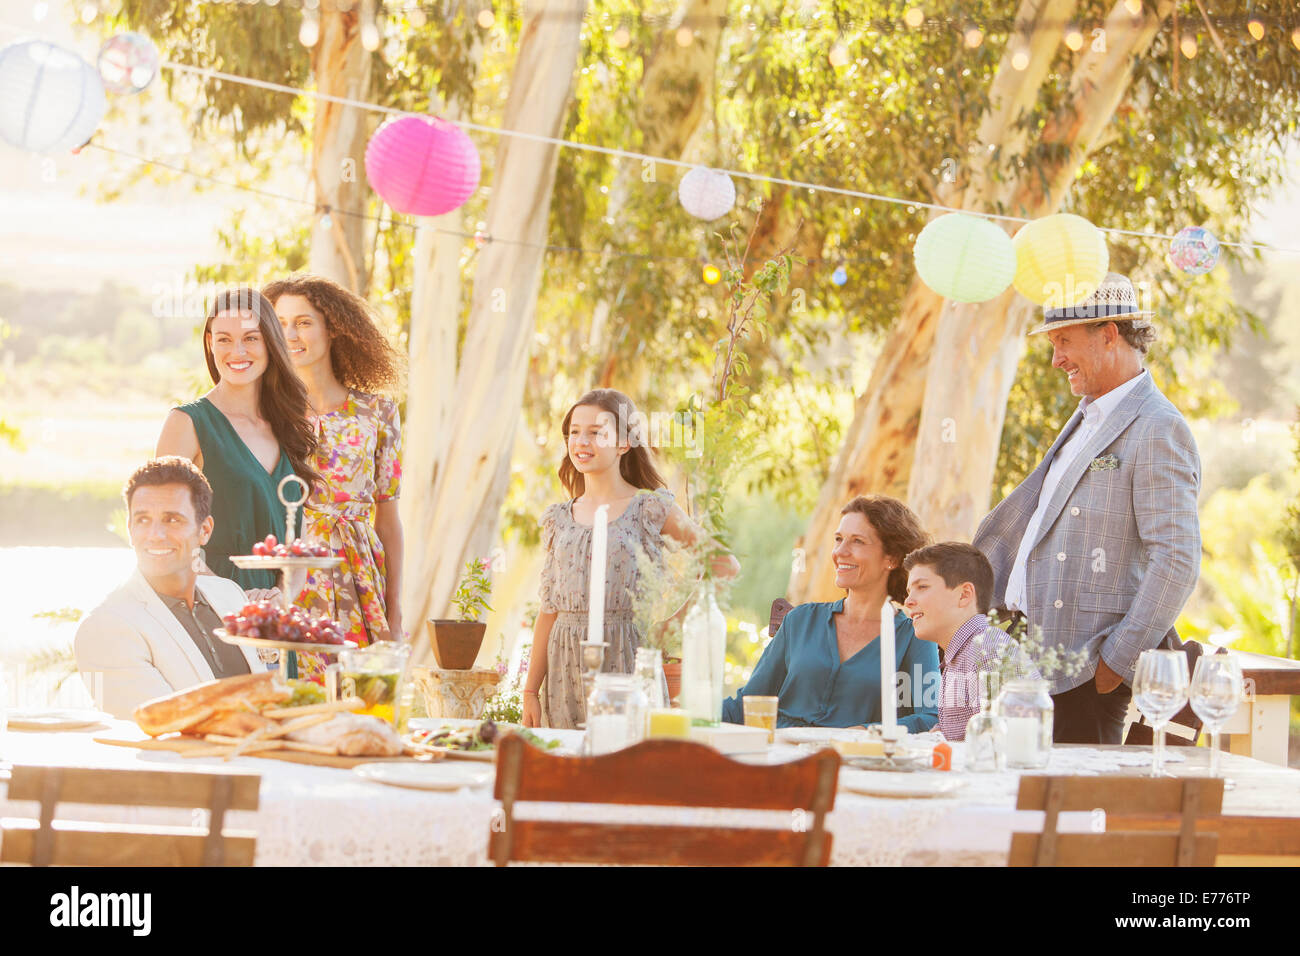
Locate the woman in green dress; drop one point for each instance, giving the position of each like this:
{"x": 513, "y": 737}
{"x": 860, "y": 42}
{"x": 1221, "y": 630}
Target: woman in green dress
{"x": 248, "y": 433}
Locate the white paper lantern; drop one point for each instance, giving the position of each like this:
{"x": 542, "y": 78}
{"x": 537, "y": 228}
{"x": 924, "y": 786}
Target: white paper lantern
{"x": 706, "y": 193}
{"x": 51, "y": 99}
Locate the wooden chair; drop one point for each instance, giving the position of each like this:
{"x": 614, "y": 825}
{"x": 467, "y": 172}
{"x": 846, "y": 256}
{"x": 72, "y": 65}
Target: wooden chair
{"x": 662, "y": 773}
{"x": 1183, "y": 818}
{"x": 780, "y": 608}
{"x": 41, "y": 843}
{"x": 1243, "y": 840}
{"x": 1185, "y": 727}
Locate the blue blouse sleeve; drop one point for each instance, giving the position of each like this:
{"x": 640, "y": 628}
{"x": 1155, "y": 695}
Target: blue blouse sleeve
{"x": 765, "y": 681}
{"x": 924, "y": 715}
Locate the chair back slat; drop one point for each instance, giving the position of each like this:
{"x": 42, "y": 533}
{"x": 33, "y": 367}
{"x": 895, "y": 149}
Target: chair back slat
{"x": 78, "y": 845}
{"x": 148, "y": 788}
{"x": 667, "y": 773}
{"x": 1112, "y": 849}
{"x": 662, "y": 773}
{"x": 1117, "y": 794}
{"x": 627, "y": 844}
{"x": 780, "y": 608}
{"x": 46, "y": 844}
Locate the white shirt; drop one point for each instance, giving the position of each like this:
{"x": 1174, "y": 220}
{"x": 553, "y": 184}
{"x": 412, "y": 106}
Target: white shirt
{"x": 1094, "y": 413}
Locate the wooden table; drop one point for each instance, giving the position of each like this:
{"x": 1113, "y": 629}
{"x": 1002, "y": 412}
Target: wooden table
{"x": 1261, "y": 728}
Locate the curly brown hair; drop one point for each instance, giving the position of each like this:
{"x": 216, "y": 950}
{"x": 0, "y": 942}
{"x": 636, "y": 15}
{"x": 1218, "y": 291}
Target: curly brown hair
{"x": 359, "y": 354}
{"x": 899, "y": 530}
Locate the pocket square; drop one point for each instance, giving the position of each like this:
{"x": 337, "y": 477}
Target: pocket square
{"x": 1104, "y": 463}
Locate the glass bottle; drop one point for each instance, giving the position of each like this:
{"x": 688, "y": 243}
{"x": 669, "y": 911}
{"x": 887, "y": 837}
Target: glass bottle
{"x": 986, "y": 732}
{"x": 1027, "y": 708}
{"x": 704, "y": 647}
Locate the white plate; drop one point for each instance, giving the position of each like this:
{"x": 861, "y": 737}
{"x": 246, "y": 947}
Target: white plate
{"x": 55, "y": 719}
{"x": 820, "y": 735}
{"x": 424, "y": 776}
{"x": 877, "y": 783}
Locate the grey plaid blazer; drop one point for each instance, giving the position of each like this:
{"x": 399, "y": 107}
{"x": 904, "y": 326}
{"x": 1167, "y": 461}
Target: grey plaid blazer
{"x": 1119, "y": 549}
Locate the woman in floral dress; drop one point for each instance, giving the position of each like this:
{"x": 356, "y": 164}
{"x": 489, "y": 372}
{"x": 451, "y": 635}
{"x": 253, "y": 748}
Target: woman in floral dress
{"x": 343, "y": 358}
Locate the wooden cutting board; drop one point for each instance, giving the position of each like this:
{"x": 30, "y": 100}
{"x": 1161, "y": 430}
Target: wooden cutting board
{"x": 179, "y": 744}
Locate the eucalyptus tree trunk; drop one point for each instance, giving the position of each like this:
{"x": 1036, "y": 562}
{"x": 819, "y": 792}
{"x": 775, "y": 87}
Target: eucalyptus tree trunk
{"x": 339, "y": 134}
{"x": 467, "y": 488}
{"x": 937, "y": 450}
{"x": 432, "y": 364}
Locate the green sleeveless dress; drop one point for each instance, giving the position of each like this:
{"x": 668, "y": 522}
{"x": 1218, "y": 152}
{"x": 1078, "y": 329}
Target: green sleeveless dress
{"x": 245, "y": 504}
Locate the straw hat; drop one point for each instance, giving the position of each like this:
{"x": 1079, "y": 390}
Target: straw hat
{"x": 1114, "y": 301}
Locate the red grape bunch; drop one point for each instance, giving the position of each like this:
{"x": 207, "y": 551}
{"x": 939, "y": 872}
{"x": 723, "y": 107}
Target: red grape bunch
{"x": 270, "y": 621}
{"x": 298, "y": 548}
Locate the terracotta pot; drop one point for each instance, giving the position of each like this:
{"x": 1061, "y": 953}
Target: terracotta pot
{"x": 673, "y": 674}
{"x": 456, "y": 643}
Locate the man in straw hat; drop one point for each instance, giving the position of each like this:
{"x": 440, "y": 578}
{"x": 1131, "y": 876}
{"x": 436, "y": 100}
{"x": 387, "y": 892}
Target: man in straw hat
{"x": 1100, "y": 545}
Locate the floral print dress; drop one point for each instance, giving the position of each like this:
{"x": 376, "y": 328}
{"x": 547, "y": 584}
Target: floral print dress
{"x": 359, "y": 456}
{"x": 565, "y": 591}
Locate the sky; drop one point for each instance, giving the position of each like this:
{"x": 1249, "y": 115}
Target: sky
{"x": 53, "y": 232}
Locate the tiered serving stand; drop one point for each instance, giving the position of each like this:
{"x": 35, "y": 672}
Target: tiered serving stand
{"x": 293, "y": 578}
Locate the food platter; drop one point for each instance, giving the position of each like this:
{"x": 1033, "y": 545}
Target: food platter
{"x": 55, "y": 719}
{"x": 266, "y": 642}
{"x": 467, "y": 745}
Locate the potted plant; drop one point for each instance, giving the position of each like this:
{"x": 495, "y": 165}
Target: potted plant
{"x": 456, "y": 642}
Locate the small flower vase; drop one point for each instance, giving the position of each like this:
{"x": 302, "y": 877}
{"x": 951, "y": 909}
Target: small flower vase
{"x": 986, "y": 732}
{"x": 1027, "y": 708}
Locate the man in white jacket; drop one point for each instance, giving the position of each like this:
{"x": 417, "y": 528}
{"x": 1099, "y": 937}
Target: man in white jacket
{"x": 153, "y": 635}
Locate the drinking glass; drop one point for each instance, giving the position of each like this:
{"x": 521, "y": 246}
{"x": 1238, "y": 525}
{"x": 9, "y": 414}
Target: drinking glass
{"x": 761, "y": 712}
{"x": 1160, "y": 691}
{"x": 1215, "y": 696}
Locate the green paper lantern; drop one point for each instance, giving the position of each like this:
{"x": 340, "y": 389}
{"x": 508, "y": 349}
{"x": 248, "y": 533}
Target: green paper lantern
{"x": 965, "y": 258}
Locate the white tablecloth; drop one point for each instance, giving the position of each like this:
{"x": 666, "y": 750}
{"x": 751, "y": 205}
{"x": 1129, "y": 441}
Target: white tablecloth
{"x": 317, "y": 816}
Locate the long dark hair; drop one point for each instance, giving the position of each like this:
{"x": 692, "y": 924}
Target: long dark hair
{"x": 360, "y": 356}
{"x": 637, "y": 466}
{"x": 899, "y": 531}
{"x": 282, "y": 398}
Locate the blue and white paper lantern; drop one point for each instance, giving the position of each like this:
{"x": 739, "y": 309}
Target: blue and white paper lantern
{"x": 1195, "y": 250}
{"x": 127, "y": 63}
{"x": 51, "y": 99}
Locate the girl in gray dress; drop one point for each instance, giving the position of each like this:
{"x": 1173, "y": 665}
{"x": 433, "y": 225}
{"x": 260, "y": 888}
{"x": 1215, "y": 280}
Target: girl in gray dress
{"x": 607, "y": 462}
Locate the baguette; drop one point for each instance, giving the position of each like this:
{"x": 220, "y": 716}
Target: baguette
{"x": 186, "y": 709}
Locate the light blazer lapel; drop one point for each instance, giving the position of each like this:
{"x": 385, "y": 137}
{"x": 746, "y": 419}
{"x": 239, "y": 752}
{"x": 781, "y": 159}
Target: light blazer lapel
{"x": 167, "y": 624}
{"x": 1110, "y": 429}
{"x": 227, "y": 597}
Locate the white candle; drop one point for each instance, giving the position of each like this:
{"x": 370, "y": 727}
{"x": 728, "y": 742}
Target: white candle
{"x": 596, "y": 602}
{"x": 888, "y": 705}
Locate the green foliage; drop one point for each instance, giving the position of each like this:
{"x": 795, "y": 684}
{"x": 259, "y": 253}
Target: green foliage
{"x": 1248, "y": 578}
{"x": 68, "y": 615}
{"x": 471, "y": 594}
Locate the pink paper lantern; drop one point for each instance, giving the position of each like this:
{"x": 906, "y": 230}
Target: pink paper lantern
{"x": 422, "y": 166}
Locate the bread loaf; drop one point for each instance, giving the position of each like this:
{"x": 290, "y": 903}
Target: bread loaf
{"x": 184, "y": 710}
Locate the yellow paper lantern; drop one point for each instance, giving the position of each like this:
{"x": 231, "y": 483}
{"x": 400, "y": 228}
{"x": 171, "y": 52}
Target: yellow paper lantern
{"x": 1060, "y": 260}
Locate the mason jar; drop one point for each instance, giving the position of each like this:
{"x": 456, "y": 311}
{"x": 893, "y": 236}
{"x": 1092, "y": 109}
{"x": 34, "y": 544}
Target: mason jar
{"x": 1026, "y": 707}
{"x": 616, "y": 713}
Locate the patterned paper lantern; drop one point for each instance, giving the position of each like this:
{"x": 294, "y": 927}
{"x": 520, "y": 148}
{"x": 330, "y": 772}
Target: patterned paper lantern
{"x": 1060, "y": 260}
{"x": 1195, "y": 250}
{"x": 127, "y": 63}
{"x": 965, "y": 258}
{"x": 50, "y": 98}
{"x": 706, "y": 194}
{"x": 422, "y": 166}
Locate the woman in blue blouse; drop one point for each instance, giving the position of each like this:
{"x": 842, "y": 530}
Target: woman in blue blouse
{"x": 824, "y": 662}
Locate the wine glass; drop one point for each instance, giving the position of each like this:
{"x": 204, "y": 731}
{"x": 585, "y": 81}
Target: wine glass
{"x": 1160, "y": 691}
{"x": 1215, "y": 696}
